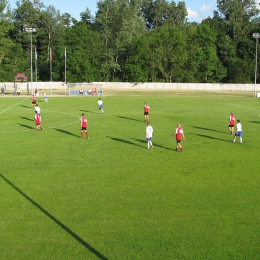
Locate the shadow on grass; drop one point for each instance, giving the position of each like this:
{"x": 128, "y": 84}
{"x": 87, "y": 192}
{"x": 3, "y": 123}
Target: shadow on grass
{"x": 69, "y": 231}
{"x": 124, "y": 141}
{"x": 25, "y": 106}
{"x": 155, "y": 145}
{"x": 26, "y": 118}
{"x": 66, "y": 132}
{"x": 208, "y": 129}
{"x": 254, "y": 122}
{"x": 26, "y": 126}
{"x": 129, "y": 118}
{"x": 214, "y": 138}
{"x": 87, "y": 111}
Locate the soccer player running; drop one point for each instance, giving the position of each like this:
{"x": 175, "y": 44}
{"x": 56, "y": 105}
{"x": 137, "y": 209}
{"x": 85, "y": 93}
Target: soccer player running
{"x": 146, "y": 112}
{"x": 100, "y": 106}
{"x": 38, "y": 120}
{"x": 83, "y": 126}
{"x": 179, "y": 134}
{"x": 149, "y": 135}
{"x": 232, "y": 121}
{"x": 37, "y": 109}
{"x": 33, "y": 101}
{"x": 238, "y": 132}
{"x": 45, "y": 97}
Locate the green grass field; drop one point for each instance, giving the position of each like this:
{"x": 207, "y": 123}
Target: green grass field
{"x": 109, "y": 197}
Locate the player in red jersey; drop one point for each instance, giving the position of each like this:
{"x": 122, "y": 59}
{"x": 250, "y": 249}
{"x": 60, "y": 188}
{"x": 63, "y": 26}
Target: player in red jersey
{"x": 232, "y": 121}
{"x": 38, "y": 120}
{"x": 179, "y": 134}
{"x": 33, "y": 101}
{"x": 146, "y": 112}
{"x": 83, "y": 126}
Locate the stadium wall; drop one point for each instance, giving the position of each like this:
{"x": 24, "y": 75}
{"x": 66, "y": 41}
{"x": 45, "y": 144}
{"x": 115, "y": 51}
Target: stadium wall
{"x": 151, "y": 86}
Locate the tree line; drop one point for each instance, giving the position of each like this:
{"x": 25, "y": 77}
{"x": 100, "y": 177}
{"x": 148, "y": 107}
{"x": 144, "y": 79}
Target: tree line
{"x": 129, "y": 41}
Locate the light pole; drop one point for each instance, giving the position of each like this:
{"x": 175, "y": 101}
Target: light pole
{"x": 256, "y": 36}
{"x": 31, "y": 30}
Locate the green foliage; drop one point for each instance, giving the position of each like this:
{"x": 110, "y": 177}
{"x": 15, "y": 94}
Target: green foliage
{"x": 130, "y": 41}
{"x": 109, "y": 197}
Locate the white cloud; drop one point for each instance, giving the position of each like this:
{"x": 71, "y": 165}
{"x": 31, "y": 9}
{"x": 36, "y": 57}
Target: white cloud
{"x": 206, "y": 8}
{"x": 193, "y": 16}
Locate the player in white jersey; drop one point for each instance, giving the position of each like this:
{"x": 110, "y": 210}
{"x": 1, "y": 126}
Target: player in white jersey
{"x": 37, "y": 109}
{"x": 238, "y": 132}
{"x": 100, "y": 106}
{"x": 149, "y": 135}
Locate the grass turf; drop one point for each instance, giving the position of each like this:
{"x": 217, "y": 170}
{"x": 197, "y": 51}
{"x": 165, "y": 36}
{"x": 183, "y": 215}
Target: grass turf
{"x": 109, "y": 197}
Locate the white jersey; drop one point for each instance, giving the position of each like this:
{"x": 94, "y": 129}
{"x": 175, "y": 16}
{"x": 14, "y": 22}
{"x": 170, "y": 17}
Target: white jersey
{"x": 239, "y": 127}
{"x": 100, "y": 102}
{"x": 149, "y": 131}
{"x": 38, "y": 110}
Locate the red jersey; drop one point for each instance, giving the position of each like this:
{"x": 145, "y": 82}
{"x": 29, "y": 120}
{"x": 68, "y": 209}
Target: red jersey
{"x": 146, "y": 108}
{"x": 84, "y": 121}
{"x": 178, "y": 133}
{"x": 232, "y": 120}
{"x": 37, "y": 118}
{"x": 33, "y": 100}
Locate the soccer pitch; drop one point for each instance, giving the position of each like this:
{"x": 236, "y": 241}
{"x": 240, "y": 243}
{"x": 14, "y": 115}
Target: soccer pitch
{"x": 109, "y": 197}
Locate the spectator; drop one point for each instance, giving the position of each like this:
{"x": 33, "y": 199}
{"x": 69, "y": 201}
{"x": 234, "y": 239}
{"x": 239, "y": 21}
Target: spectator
{"x": 94, "y": 92}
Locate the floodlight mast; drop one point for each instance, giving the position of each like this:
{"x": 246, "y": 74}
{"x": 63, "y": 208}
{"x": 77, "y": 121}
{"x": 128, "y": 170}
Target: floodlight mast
{"x": 256, "y": 36}
{"x": 31, "y": 30}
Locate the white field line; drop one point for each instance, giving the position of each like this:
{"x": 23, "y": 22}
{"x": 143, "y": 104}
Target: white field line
{"x": 246, "y": 107}
{"x": 13, "y": 105}
{"x": 51, "y": 127}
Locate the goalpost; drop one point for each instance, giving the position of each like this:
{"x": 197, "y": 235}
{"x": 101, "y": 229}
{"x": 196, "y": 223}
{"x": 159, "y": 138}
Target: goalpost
{"x": 85, "y": 89}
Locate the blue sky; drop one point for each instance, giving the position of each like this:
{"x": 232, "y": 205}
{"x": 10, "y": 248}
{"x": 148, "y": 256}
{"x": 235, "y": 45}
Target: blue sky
{"x": 197, "y": 9}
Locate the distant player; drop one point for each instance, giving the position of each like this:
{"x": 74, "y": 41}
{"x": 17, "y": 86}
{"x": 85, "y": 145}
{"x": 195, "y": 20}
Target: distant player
{"x": 45, "y": 97}
{"x": 238, "y": 132}
{"x": 179, "y": 134}
{"x": 38, "y": 120}
{"x": 231, "y": 125}
{"x": 149, "y": 135}
{"x": 37, "y": 109}
{"x": 83, "y": 126}
{"x": 146, "y": 112}
{"x": 33, "y": 101}
{"x": 100, "y": 106}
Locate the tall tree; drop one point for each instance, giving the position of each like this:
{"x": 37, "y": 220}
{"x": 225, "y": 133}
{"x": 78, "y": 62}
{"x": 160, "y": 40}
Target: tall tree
{"x": 237, "y": 15}
{"x": 169, "y": 52}
{"x": 6, "y": 42}
{"x": 157, "y": 13}
{"x": 118, "y": 23}
{"x": 209, "y": 69}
